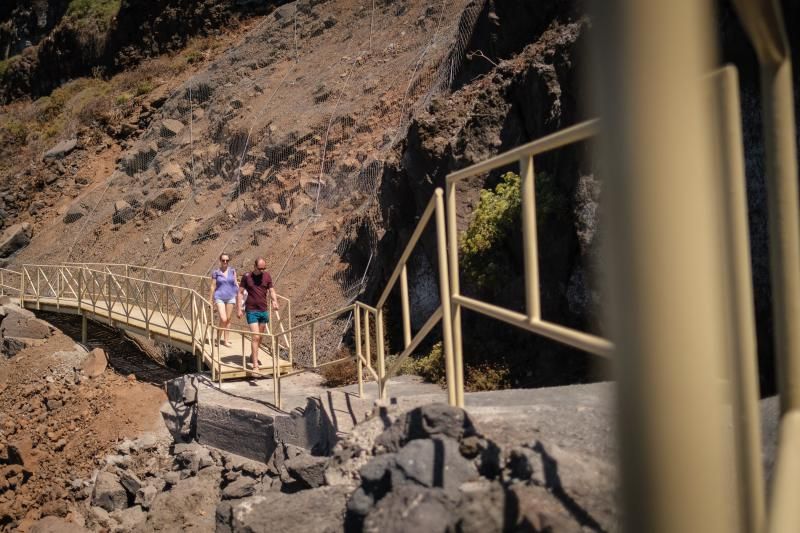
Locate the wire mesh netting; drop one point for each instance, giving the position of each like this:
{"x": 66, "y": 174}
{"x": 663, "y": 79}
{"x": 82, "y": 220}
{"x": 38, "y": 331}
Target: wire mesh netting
{"x": 277, "y": 150}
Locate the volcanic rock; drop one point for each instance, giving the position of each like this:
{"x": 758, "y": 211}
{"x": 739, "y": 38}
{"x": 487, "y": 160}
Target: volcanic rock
{"x": 109, "y": 492}
{"x": 15, "y": 238}
{"x": 61, "y": 150}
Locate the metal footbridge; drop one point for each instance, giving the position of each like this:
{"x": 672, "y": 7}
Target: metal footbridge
{"x": 165, "y": 306}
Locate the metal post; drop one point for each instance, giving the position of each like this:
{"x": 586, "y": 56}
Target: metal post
{"x": 379, "y": 346}
{"x": 80, "y": 289}
{"x": 291, "y": 348}
{"x": 276, "y": 371}
{"x": 313, "y": 345}
{"x": 367, "y": 344}
{"x": 453, "y": 369}
{"x": 109, "y": 302}
{"x": 359, "y": 362}
{"x": 455, "y": 290}
{"x": 743, "y": 344}
{"x": 764, "y": 23}
{"x": 84, "y": 328}
{"x": 199, "y": 353}
{"x": 127, "y": 305}
{"x": 530, "y": 238}
{"x": 38, "y": 286}
{"x": 146, "y": 309}
{"x": 404, "y": 306}
{"x": 664, "y": 261}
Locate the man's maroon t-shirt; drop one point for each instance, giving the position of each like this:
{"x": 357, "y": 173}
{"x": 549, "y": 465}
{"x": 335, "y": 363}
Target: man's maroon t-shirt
{"x": 257, "y": 286}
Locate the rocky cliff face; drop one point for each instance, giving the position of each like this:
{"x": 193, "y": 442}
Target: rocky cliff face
{"x": 516, "y": 87}
{"x": 522, "y": 97}
{"x": 45, "y": 45}
{"x": 517, "y": 76}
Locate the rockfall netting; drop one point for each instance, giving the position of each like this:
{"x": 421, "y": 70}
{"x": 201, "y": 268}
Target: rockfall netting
{"x": 277, "y": 150}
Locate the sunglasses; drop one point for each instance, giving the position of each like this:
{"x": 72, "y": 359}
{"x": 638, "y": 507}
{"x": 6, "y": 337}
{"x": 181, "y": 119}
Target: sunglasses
{"x": 224, "y": 260}
{"x": 262, "y": 269}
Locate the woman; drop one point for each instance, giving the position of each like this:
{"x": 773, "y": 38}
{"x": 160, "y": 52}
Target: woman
{"x": 224, "y": 289}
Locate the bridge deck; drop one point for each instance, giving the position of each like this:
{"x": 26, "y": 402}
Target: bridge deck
{"x": 163, "y": 327}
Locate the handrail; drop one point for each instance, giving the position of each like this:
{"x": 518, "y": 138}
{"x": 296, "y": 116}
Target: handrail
{"x": 572, "y": 134}
{"x": 531, "y": 320}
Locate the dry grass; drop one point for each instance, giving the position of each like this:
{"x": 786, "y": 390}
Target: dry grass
{"x": 28, "y": 128}
{"x": 342, "y": 373}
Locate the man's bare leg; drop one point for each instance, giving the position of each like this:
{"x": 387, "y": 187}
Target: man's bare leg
{"x": 255, "y": 340}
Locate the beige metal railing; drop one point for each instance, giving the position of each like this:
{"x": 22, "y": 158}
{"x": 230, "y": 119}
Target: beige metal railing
{"x": 531, "y": 320}
{"x": 363, "y": 314}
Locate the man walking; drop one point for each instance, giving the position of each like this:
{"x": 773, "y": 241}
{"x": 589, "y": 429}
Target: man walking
{"x": 258, "y": 285}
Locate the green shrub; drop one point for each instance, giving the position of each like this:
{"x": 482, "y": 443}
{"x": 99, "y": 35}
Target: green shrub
{"x": 497, "y": 213}
{"x": 487, "y": 376}
{"x": 144, "y": 87}
{"x": 485, "y": 245}
{"x": 93, "y": 12}
{"x": 14, "y": 132}
{"x": 5, "y": 64}
{"x": 429, "y": 367}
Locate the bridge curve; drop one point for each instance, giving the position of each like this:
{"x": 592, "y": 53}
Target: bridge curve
{"x": 159, "y": 304}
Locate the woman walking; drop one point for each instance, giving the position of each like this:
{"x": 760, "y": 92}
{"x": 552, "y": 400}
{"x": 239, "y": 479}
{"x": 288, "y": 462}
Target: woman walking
{"x": 224, "y": 289}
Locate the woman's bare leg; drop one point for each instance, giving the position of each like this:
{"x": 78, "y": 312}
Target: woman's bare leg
{"x": 224, "y": 320}
{"x": 227, "y": 323}
{"x": 255, "y": 340}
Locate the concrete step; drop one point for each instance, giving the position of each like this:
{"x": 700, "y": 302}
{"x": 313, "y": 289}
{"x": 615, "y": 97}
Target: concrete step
{"x": 241, "y": 417}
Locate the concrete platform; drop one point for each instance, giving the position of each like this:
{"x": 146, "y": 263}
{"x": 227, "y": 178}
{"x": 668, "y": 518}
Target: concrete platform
{"x": 576, "y": 421}
{"x": 241, "y": 417}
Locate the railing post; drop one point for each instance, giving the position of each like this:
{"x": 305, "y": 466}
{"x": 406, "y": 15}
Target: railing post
{"x": 314, "y": 345}
{"x": 404, "y": 306}
{"x": 58, "y": 288}
{"x": 745, "y": 406}
{"x": 198, "y": 353}
{"x": 663, "y": 261}
{"x": 276, "y": 370}
{"x": 367, "y": 344}
{"x": 455, "y": 380}
{"x": 244, "y": 358}
{"x": 22, "y": 287}
{"x": 455, "y": 290}
{"x": 127, "y": 305}
{"x": 359, "y": 363}
{"x": 80, "y": 289}
{"x": 161, "y": 291}
{"x": 379, "y": 346}
{"x": 291, "y": 344}
{"x": 146, "y": 308}
{"x": 530, "y": 238}
{"x": 38, "y": 286}
{"x": 109, "y": 300}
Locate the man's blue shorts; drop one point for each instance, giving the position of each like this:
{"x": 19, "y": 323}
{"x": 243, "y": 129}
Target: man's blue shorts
{"x": 262, "y": 317}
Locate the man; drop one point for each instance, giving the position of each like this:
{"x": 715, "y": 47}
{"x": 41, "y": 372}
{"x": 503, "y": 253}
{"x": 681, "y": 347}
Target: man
{"x": 258, "y": 285}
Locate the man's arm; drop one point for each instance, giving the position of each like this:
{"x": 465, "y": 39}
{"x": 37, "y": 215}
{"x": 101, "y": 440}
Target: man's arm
{"x": 274, "y": 297}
